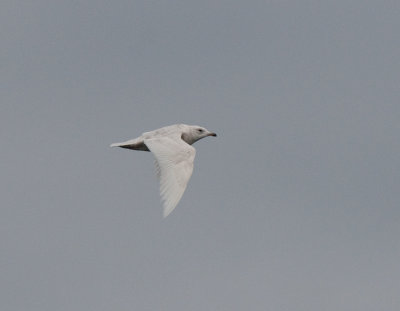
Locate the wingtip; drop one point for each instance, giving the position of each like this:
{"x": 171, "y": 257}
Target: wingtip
{"x": 167, "y": 210}
{"x": 166, "y": 213}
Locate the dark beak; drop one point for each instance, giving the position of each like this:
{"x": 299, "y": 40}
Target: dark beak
{"x": 212, "y": 134}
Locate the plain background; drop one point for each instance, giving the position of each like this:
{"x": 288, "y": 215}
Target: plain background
{"x": 294, "y": 206}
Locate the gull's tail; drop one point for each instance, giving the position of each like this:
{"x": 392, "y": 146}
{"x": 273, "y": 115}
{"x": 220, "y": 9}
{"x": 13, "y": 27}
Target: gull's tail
{"x": 117, "y": 144}
{"x": 133, "y": 144}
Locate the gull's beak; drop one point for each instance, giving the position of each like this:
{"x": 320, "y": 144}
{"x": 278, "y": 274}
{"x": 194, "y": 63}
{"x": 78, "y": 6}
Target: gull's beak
{"x": 212, "y": 134}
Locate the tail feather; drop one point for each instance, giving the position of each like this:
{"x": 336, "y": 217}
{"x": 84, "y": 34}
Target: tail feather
{"x": 117, "y": 144}
{"x": 133, "y": 144}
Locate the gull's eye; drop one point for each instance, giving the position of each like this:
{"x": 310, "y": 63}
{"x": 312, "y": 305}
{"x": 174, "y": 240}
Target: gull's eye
{"x": 200, "y": 130}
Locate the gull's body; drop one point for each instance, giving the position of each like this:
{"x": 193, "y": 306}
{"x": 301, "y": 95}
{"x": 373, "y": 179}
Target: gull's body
{"x": 174, "y": 155}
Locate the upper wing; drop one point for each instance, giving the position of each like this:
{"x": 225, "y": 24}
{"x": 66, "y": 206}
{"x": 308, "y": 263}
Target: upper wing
{"x": 166, "y": 131}
{"x": 174, "y": 167}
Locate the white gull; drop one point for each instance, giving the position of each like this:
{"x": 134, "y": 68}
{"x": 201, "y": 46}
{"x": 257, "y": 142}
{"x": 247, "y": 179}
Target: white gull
{"x": 174, "y": 156}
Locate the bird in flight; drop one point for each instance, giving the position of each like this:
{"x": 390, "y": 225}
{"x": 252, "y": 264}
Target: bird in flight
{"x": 174, "y": 156}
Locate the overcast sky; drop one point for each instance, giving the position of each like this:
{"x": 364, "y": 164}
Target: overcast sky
{"x": 294, "y": 206}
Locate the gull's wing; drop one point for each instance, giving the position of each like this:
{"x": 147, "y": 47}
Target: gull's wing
{"x": 174, "y": 165}
{"x": 166, "y": 131}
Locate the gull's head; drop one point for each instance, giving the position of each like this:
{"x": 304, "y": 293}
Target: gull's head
{"x": 195, "y": 133}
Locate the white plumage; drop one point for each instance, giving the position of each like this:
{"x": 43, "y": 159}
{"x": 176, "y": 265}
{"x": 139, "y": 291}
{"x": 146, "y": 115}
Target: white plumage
{"x": 174, "y": 157}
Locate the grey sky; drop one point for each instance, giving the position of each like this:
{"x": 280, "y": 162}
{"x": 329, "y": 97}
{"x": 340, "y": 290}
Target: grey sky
{"x": 294, "y": 206}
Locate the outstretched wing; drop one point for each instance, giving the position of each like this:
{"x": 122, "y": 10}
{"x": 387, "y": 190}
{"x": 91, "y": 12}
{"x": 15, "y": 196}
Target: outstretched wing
{"x": 174, "y": 167}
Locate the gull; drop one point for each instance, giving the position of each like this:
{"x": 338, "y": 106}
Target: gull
{"x": 174, "y": 156}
